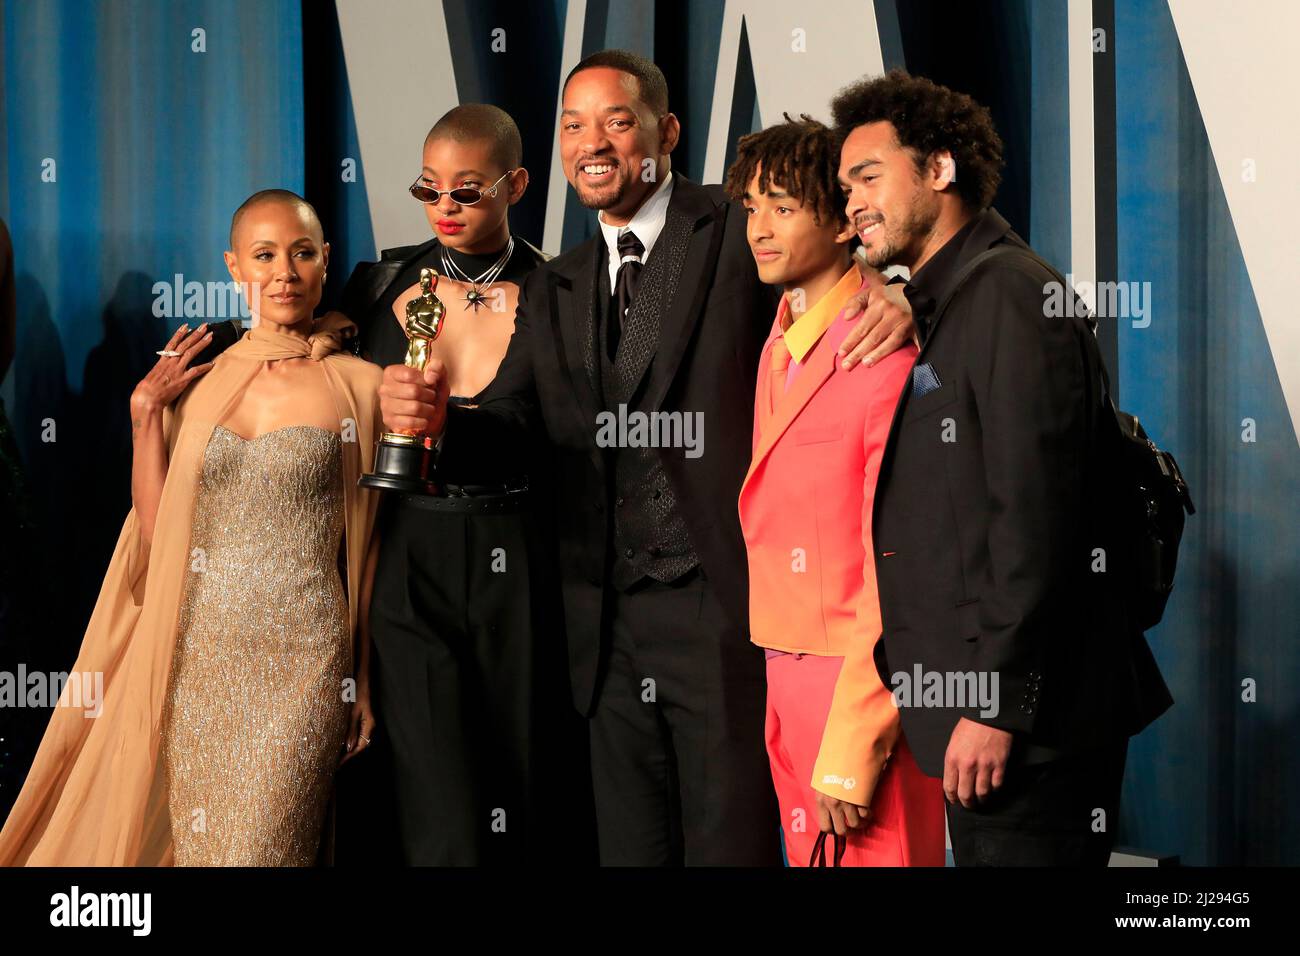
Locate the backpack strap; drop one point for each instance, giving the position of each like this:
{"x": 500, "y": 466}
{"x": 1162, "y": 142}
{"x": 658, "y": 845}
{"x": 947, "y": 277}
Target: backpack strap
{"x": 1027, "y": 255}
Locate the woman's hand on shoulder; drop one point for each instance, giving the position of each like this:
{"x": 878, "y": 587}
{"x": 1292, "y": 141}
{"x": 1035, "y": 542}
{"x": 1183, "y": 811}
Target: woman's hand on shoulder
{"x": 172, "y": 374}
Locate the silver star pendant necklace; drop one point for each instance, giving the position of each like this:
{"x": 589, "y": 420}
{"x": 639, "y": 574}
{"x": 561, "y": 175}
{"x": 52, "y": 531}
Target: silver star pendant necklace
{"x": 478, "y": 287}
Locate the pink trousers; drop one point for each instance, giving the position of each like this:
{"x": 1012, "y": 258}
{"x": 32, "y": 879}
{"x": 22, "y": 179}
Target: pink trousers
{"x": 907, "y": 810}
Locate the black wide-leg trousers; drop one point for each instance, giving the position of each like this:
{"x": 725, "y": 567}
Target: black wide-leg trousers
{"x": 488, "y": 757}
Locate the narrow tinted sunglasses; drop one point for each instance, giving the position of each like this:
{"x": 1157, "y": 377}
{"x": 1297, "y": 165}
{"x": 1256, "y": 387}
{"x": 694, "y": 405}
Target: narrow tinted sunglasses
{"x": 461, "y": 195}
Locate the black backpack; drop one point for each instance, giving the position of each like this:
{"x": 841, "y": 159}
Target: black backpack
{"x": 1151, "y": 501}
{"x": 1148, "y": 500}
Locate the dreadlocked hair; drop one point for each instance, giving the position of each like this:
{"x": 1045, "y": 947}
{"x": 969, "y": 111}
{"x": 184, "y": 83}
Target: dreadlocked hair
{"x": 799, "y": 156}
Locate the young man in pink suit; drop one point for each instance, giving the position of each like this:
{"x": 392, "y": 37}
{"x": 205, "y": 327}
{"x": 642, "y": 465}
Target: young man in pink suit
{"x": 839, "y": 761}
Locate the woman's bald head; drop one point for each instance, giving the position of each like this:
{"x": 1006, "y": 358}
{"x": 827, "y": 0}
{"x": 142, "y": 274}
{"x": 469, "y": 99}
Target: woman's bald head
{"x": 278, "y": 256}
{"x": 482, "y": 122}
{"x": 304, "y": 209}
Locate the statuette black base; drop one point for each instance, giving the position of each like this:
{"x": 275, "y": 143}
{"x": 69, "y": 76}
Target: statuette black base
{"x": 402, "y": 464}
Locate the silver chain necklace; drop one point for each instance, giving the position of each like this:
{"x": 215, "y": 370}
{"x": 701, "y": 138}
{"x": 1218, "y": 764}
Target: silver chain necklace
{"x": 477, "y": 295}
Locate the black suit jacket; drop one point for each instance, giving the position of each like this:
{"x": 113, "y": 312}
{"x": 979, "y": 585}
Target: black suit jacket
{"x": 711, "y": 333}
{"x": 987, "y": 512}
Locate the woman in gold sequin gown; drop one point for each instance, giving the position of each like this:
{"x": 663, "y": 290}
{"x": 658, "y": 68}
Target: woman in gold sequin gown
{"x": 258, "y": 705}
{"x": 231, "y": 628}
{"x": 257, "y": 713}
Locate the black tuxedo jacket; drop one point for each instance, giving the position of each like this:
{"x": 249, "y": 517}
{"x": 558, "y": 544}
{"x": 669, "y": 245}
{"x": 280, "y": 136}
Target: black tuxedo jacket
{"x": 987, "y": 512}
{"x": 711, "y": 332}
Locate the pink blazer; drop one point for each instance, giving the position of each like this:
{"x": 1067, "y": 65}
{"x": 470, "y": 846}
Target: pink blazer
{"x": 805, "y": 510}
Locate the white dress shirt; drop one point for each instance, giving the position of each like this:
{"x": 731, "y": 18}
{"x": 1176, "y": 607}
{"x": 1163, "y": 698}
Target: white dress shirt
{"x": 647, "y": 223}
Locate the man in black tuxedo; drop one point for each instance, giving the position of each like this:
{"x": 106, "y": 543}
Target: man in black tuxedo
{"x": 988, "y": 520}
{"x": 660, "y": 313}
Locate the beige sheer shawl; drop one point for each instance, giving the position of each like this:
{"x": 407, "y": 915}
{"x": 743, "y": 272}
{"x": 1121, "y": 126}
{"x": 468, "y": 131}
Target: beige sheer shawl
{"x": 96, "y": 794}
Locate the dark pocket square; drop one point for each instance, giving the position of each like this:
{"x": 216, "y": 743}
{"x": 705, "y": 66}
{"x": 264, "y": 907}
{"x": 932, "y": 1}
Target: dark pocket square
{"x": 924, "y": 379}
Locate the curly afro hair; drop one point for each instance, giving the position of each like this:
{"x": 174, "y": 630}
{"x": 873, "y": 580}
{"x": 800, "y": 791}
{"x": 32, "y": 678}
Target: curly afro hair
{"x": 800, "y": 156}
{"x": 928, "y": 117}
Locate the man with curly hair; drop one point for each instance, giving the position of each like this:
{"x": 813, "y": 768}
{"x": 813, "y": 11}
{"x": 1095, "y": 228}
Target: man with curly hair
{"x": 1018, "y": 675}
{"x": 833, "y": 739}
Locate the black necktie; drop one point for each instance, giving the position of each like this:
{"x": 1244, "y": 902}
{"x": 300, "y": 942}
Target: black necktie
{"x": 630, "y": 251}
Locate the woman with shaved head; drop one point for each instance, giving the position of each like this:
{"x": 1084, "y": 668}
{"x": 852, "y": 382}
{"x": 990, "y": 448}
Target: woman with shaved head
{"x": 469, "y": 656}
{"x": 217, "y": 687}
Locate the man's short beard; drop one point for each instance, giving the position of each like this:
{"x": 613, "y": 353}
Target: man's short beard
{"x": 881, "y": 257}
{"x": 887, "y": 251}
{"x": 919, "y": 222}
{"x": 590, "y": 201}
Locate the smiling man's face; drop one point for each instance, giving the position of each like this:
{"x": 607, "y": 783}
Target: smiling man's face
{"x": 886, "y": 198}
{"x": 613, "y": 148}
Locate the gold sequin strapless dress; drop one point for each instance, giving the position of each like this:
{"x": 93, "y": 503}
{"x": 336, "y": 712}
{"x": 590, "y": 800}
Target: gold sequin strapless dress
{"x": 256, "y": 713}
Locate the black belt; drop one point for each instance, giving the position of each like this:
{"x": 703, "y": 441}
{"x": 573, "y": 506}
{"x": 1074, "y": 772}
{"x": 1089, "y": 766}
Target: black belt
{"x": 484, "y": 491}
{"x": 472, "y": 500}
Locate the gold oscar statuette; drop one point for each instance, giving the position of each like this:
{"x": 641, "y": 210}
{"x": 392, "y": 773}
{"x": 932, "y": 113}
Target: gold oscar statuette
{"x": 403, "y": 458}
